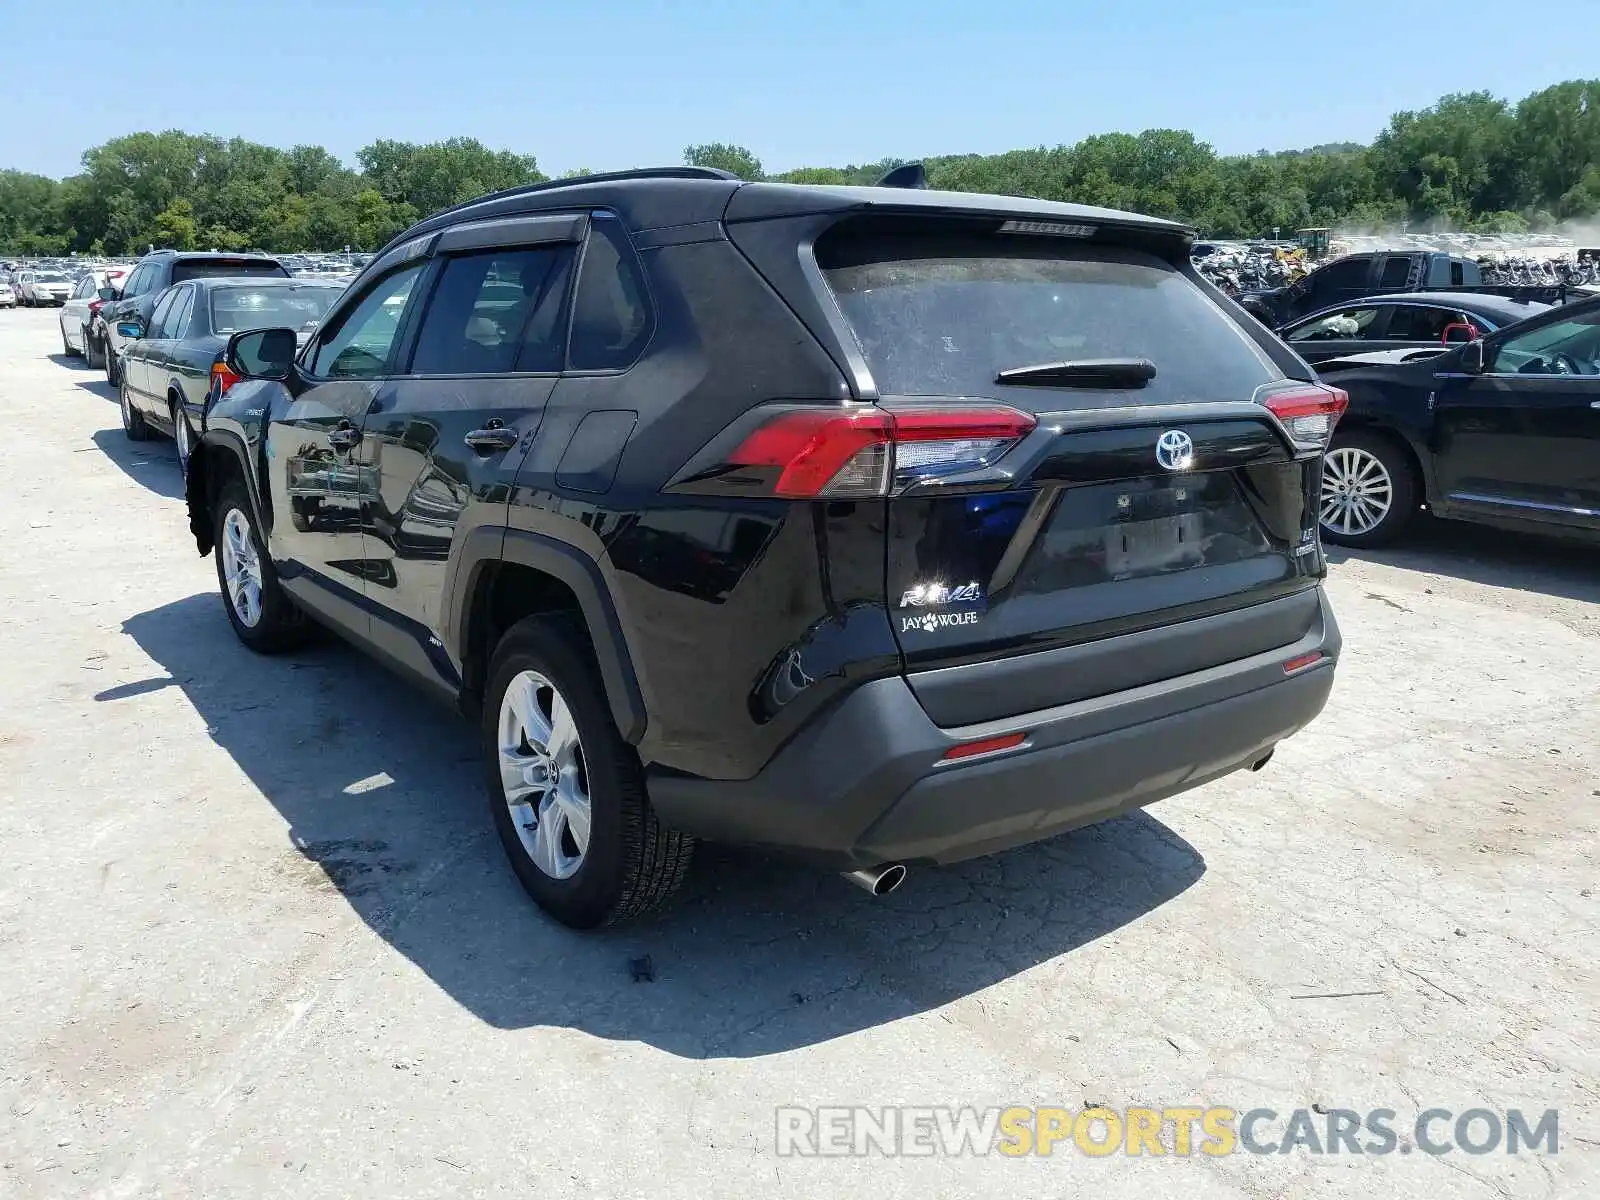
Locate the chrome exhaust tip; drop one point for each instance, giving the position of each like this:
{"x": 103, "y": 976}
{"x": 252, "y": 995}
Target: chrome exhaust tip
{"x": 879, "y": 881}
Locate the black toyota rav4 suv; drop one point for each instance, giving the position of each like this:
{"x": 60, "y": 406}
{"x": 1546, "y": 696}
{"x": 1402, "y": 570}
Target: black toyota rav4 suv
{"x": 877, "y": 526}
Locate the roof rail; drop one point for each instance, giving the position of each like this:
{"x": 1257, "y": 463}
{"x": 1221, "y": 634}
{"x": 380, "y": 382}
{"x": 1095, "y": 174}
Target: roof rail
{"x": 603, "y": 177}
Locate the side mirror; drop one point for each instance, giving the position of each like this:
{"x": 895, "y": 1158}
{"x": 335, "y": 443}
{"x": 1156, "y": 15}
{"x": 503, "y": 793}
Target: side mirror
{"x": 262, "y": 353}
{"x": 130, "y": 329}
{"x": 107, "y": 293}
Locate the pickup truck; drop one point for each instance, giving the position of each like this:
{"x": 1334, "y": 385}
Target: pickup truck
{"x": 1356, "y": 276}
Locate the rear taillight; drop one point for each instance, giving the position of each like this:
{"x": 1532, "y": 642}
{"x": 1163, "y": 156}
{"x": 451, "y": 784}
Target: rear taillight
{"x": 94, "y": 307}
{"x": 222, "y": 378}
{"x": 1309, "y": 413}
{"x": 835, "y": 453}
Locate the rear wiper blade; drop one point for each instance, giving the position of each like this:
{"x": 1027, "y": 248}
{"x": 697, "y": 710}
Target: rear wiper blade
{"x": 1084, "y": 372}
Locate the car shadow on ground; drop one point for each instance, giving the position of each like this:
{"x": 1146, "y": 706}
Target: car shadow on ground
{"x": 74, "y": 362}
{"x": 153, "y": 463}
{"x": 383, "y": 799}
{"x": 98, "y": 387}
{"x": 1493, "y": 557}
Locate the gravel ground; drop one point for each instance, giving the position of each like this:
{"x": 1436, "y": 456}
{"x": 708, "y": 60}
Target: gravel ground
{"x": 258, "y": 938}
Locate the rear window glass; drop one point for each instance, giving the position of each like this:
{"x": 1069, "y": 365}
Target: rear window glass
{"x": 211, "y": 268}
{"x": 942, "y": 316}
{"x": 233, "y": 309}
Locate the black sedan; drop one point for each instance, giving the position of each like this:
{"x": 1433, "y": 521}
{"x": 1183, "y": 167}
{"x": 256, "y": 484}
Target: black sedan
{"x": 169, "y": 368}
{"x": 1407, "y": 320}
{"x": 1503, "y": 431}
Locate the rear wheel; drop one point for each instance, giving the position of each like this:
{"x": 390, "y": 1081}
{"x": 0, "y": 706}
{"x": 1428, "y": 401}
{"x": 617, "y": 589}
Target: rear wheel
{"x": 1370, "y": 490}
{"x": 66, "y": 346}
{"x": 182, "y": 435}
{"x": 567, "y": 794}
{"x": 91, "y": 349}
{"x": 260, "y": 611}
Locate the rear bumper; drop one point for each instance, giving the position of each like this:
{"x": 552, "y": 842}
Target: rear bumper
{"x": 865, "y": 783}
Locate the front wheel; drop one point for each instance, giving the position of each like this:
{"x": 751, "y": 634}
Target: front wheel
{"x": 1370, "y": 490}
{"x": 133, "y": 422}
{"x": 566, "y": 792}
{"x": 260, "y": 611}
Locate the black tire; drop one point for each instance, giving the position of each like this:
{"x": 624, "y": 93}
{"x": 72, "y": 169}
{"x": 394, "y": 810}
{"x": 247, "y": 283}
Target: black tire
{"x": 281, "y": 625}
{"x": 133, "y": 422}
{"x": 1405, "y": 491}
{"x": 113, "y": 368}
{"x": 91, "y": 349}
{"x": 632, "y": 864}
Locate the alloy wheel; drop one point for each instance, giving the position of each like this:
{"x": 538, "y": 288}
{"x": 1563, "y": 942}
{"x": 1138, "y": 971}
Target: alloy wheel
{"x": 543, "y": 775}
{"x": 241, "y": 568}
{"x": 1357, "y": 491}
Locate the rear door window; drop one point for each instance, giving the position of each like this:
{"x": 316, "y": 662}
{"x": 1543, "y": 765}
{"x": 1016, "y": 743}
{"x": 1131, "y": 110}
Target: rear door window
{"x": 942, "y": 315}
{"x": 1416, "y": 323}
{"x": 495, "y": 313}
{"x": 1396, "y": 273}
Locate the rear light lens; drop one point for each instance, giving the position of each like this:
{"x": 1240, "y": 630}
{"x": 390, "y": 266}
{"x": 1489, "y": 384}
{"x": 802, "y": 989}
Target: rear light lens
{"x": 1301, "y": 662}
{"x": 833, "y": 453}
{"x": 1309, "y": 413}
{"x": 986, "y": 746}
{"x": 222, "y": 379}
{"x": 94, "y": 307}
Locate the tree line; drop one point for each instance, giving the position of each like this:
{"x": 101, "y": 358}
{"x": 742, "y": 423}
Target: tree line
{"x": 1472, "y": 162}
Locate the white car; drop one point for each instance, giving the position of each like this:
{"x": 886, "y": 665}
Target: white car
{"x": 43, "y": 287}
{"x": 8, "y": 296}
{"x": 77, "y": 319}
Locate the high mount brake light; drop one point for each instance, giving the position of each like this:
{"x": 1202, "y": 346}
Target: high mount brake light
{"x": 1309, "y": 413}
{"x": 834, "y": 453}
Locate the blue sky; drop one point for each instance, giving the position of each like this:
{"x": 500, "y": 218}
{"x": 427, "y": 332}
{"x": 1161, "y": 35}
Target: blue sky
{"x": 618, "y": 83}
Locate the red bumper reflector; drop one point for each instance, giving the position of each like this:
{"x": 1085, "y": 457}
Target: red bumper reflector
{"x": 986, "y": 746}
{"x": 1301, "y": 661}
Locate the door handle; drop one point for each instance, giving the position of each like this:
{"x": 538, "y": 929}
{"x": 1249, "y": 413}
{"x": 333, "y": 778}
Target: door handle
{"x": 344, "y": 437}
{"x": 491, "y": 438}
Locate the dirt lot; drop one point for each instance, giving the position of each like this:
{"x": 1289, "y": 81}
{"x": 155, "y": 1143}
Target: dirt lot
{"x": 258, "y": 940}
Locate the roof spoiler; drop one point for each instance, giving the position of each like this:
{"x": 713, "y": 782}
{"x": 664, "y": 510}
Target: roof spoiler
{"x": 908, "y": 175}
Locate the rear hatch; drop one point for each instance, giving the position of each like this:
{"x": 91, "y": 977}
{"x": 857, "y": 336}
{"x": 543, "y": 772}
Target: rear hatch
{"x": 1156, "y": 489}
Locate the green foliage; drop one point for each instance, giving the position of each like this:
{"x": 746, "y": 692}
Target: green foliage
{"x": 737, "y": 159}
{"x": 1471, "y": 160}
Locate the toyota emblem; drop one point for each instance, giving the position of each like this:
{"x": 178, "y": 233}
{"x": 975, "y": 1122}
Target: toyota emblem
{"x": 1175, "y": 450}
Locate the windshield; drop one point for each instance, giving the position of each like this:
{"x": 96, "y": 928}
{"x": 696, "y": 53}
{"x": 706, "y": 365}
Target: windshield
{"x": 944, "y": 315}
{"x": 236, "y": 308}
{"x": 50, "y": 277}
